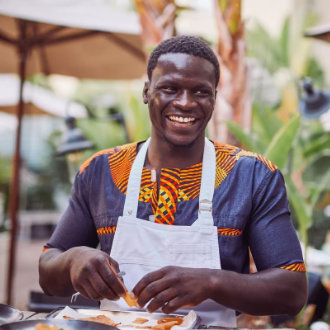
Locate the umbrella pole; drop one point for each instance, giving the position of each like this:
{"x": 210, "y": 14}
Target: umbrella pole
{"x": 14, "y": 188}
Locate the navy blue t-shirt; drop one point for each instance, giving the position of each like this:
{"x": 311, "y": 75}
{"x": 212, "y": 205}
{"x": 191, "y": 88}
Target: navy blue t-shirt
{"x": 250, "y": 206}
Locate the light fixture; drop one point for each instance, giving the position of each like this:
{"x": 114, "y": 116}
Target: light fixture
{"x": 313, "y": 102}
{"x": 321, "y": 32}
{"x": 72, "y": 144}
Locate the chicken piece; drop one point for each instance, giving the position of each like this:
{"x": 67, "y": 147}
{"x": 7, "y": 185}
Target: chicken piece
{"x": 140, "y": 320}
{"x": 130, "y": 301}
{"x": 43, "y": 326}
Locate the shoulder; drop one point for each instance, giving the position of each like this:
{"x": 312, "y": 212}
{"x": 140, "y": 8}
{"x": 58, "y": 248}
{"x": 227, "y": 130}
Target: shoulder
{"x": 235, "y": 155}
{"x": 112, "y": 156}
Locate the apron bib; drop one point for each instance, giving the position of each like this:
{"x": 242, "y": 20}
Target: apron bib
{"x": 141, "y": 246}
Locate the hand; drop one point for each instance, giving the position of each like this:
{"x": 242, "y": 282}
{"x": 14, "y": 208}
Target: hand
{"x": 171, "y": 288}
{"x": 94, "y": 274}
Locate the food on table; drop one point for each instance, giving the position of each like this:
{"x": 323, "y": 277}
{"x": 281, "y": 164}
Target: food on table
{"x": 178, "y": 320}
{"x": 43, "y": 326}
{"x": 167, "y": 323}
{"x": 140, "y": 320}
{"x": 99, "y": 319}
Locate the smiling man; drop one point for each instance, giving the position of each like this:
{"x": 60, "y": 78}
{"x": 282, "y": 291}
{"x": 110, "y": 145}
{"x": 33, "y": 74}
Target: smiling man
{"x": 179, "y": 213}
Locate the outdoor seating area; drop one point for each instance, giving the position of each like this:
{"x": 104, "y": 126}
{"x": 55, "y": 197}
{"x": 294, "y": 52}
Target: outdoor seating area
{"x": 93, "y": 91}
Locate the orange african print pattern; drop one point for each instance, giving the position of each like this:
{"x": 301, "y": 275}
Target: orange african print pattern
{"x": 106, "y": 230}
{"x": 165, "y": 209}
{"x": 229, "y": 232}
{"x": 121, "y": 163}
{"x": 176, "y": 185}
{"x": 296, "y": 267}
{"x": 264, "y": 160}
{"x": 89, "y": 160}
{"x": 221, "y": 231}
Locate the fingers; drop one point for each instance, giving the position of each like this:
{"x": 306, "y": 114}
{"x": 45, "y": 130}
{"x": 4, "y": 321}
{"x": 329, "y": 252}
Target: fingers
{"x": 147, "y": 280}
{"x": 94, "y": 275}
{"x": 161, "y": 300}
{"x": 97, "y": 289}
{"x": 113, "y": 281}
{"x": 113, "y": 264}
{"x": 157, "y": 287}
{"x": 176, "y": 303}
{"x": 171, "y": 288}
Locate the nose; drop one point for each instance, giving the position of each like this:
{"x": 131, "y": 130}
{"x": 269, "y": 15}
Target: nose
{"x": 184, "y": 100}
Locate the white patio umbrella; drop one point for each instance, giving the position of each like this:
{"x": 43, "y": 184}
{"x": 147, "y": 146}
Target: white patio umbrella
{"x": 37, "y": 100}
{"x": 81, "y": 38}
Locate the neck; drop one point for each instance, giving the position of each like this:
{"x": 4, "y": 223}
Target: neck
{"x": 162, "y": 154}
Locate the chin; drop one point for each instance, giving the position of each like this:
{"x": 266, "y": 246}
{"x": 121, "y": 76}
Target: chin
{"x": 180, "y": 142}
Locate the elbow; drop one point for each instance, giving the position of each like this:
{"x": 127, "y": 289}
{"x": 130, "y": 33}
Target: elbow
{"x": 47, "y": 272}
{"x": 42, "y": 277}
{"x": 296, "y": 307}
{"x": 298, "y": 300}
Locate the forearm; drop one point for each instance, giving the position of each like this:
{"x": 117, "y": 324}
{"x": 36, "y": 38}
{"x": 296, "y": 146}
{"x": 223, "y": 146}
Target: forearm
{"x": 269, "y": 292}
{"x": 54, "y": 272}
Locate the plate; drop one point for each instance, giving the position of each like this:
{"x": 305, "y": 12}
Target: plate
{"x": 9, "y": 314}
{"x": 125, "y": 319}
{"x": 67, "y": 324}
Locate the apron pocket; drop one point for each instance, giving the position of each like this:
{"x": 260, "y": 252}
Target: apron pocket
{"x": 190, "y": 255}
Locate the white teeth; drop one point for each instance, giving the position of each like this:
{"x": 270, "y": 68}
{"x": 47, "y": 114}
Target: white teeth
{"x": 182, "y": 119}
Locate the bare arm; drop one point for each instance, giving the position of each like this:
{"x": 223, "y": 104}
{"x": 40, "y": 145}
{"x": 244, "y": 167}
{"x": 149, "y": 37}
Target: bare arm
{"x": 79, "y": 269}
{"x": 273, "y": 291}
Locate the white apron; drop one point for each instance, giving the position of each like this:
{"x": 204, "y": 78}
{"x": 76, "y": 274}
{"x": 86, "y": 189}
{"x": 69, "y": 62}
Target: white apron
{"x": 141, "y": 246}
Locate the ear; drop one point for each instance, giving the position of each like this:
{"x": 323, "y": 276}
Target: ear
{"x": 145, "y": 92}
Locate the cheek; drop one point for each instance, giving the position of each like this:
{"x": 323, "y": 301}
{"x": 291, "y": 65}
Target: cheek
{"x": 208, "y": 108}
{"x": 156, "y": 105}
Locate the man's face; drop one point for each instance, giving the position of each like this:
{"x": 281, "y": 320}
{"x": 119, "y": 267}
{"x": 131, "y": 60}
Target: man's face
{"x": 181, "y": 98}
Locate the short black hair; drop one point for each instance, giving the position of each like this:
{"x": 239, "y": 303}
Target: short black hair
{"x": 187, "y": 45}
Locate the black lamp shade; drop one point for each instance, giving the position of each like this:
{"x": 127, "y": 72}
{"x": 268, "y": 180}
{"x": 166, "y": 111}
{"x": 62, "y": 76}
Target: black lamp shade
{"x": 314, "y": 102}
{"x": 73, "y": 139}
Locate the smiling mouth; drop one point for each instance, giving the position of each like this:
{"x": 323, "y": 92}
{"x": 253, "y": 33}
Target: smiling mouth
{"x": 179, "y": 119}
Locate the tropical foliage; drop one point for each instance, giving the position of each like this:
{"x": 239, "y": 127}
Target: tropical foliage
{"x": 299, "y": 151}
{"x": 300, "y": 148}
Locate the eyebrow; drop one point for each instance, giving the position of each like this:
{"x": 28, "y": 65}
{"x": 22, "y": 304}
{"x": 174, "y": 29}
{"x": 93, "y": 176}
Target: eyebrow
{"x": 175, "y": 81}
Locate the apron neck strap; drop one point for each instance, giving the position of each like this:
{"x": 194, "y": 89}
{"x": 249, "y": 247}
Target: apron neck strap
{"x": 207, "y": 185}
{"x": 134, "y": 182}
{"x": 206, "y": 190}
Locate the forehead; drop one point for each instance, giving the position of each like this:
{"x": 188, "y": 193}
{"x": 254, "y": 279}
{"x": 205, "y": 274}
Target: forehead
{"x": 180, "y": 64}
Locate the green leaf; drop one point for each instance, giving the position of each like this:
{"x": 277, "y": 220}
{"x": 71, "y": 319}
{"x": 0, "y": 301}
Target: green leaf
{"x": 244, "y": 138}
{"x": 317, "y": 145}
{"x": 281, "y": 144}
{"x": 318, "y": 170}
{"x": 266, "y": 122}
{"x": 284, "y": 42}
{"x": 302, "y": 210}
{"x": 264, "y": 47}
{"x": 140, "y": 123}
{"x": 323, "y": 186}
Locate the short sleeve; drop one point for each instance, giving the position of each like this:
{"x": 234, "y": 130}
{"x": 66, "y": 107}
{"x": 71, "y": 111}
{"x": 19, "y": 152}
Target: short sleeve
{"x": 272, "y": 238}
{"x": 76, "y": 227}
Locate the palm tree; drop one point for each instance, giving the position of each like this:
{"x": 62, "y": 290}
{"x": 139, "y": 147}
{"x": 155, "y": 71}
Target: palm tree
{"x": 157, "y": 19}
{"x": 233, "y": 100}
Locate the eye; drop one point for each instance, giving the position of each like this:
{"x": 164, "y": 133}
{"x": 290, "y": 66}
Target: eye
{"x": 168, "y": 89}
{"x": 202, "y": 92}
